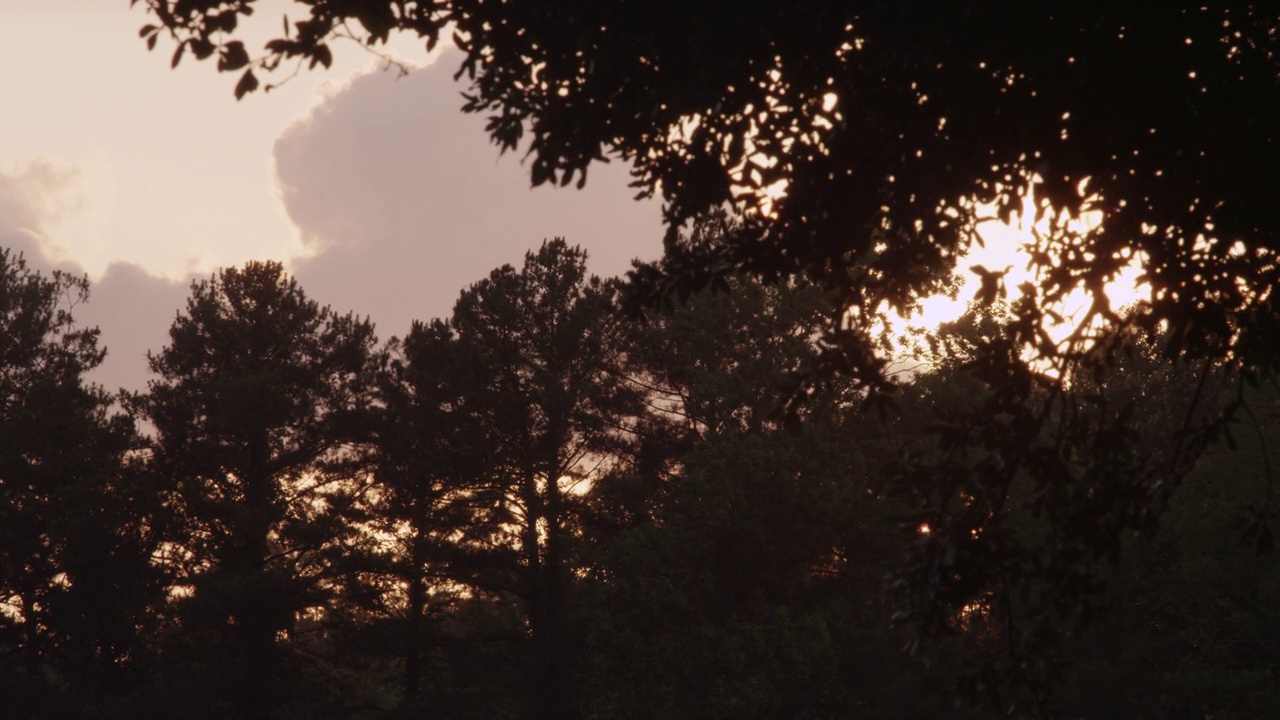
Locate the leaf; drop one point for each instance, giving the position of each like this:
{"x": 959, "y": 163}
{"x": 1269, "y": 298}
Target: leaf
{"x": 147, "y": 30}
{"x": 177, "y": 55}
{"x": 248, "y": 83}
{"x": 223, "y": 22}
{"x": 233, "y": 57}
{"x": 201, "y": 48}
{"x": 322, "y": 55}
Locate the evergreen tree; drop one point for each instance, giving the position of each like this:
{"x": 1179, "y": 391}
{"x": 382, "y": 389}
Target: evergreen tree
{"x": 541, "y": 343}
{"x": 257, "y": 399}
{"x": 75, "y": 583}
{"x": 430, "y": 448}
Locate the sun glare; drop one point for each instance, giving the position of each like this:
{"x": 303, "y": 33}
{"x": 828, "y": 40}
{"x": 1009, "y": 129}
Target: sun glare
{"x": 1005, "y": 250}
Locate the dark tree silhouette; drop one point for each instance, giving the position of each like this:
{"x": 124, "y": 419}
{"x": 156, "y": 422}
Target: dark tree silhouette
{"x": 257, "y": 398}
{"x": 1188, "y": 631}
{"x": 541, "y": 343}
{"x": 75, "y": 581}
{"x": 431, "y": 446}
{"x": 859, "y": 138}
{"x": 861, "y": 143}
{"x": 738, "y": 575}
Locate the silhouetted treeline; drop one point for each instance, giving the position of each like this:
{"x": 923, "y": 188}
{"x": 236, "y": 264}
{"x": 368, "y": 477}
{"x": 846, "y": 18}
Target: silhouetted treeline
{"x": 545, "y": 507}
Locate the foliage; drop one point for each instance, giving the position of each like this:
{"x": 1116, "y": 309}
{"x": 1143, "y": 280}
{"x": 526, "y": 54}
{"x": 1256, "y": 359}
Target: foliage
{"x": 553, "y": 408}
{"x": 1186, "y": 630}
{"x": 739, "y": 574}
{"x": 1029, "y": 493}
{"x": 427, "y": 441}
{"x": 75, "y": 581}
{"x": 872, "y": 133}
{"x": 542, "y": 507}
{"x": 861, "y": 144}
{"x": 256, "y": 401}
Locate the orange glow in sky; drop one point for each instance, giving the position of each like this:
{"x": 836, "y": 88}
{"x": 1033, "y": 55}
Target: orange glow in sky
{"x": 1005, "y": 246}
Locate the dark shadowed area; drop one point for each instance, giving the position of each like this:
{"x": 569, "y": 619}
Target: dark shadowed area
{"x": 734, "y": 486}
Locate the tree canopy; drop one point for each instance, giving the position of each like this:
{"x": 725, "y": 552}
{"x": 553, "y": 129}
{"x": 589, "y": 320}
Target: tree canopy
{"x": 75, "y": 540}
{"x": 862, "y": 140}
{"x": 863, "y": 144}
{"x": 254, "y": 408}
{"x": 542, "y": 507}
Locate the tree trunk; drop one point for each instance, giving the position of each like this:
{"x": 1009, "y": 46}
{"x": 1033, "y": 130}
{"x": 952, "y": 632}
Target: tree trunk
{"x": 547, "y": 672}
{"x": 413, "y": 634}
{"x": 257, "y": 629}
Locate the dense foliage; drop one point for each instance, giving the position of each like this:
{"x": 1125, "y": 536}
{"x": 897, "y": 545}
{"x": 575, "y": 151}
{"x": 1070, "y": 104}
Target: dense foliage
{"x": 861, "y": 144}
{"x": 861, "y": 139}
{"x": 542, "y": 508}
{"x": 76, "y": 517}
{"x": 258, "y": 398}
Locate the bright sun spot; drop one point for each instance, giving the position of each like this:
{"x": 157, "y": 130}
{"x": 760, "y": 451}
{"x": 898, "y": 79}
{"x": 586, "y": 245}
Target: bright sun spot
{"x": 1006, "y": 246}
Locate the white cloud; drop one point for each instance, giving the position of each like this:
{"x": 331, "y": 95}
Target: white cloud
{"x": 132, "y": 307}
{"x": 393, "y": 198}
{"x": 405, "y": 201}
{"x": 38, "y": 199}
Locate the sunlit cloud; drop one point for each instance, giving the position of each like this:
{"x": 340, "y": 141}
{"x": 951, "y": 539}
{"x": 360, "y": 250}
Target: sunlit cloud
{"x": 44, "y": 208}
{"x": 62, "y": 209}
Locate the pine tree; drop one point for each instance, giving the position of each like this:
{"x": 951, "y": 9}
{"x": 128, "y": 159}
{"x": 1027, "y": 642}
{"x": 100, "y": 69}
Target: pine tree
{"x": 75, "y": 581}
{"x": 542, "y": 345}
{"x": 257, "y": 401}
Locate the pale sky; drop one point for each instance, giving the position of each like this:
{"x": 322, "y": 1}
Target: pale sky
{"x": 376, "y": 191}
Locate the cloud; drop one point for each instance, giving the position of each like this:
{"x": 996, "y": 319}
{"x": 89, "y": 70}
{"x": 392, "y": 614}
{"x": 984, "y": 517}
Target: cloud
{"x": 36, "y": 200}
{"x": 399, "y": 198}
{"x": 132, "y": 307}
{"x": 405, "y": 201}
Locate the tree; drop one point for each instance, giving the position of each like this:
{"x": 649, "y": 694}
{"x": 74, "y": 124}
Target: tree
{"x": 430, "y": 447}
{"x": 737, "y": 576}
{"x": 1187, "y": 630}
{"x": 861, "y": 140}
{"x": 863, "y": 143}
{"x": 1028, "y": 503}
{"x": 257, "y": 399}
{"x": 75, "y": 581}
{"x": 541, "y": 347}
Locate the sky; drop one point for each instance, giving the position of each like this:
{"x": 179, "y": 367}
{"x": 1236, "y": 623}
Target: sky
{"x": 374, "y": 190}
